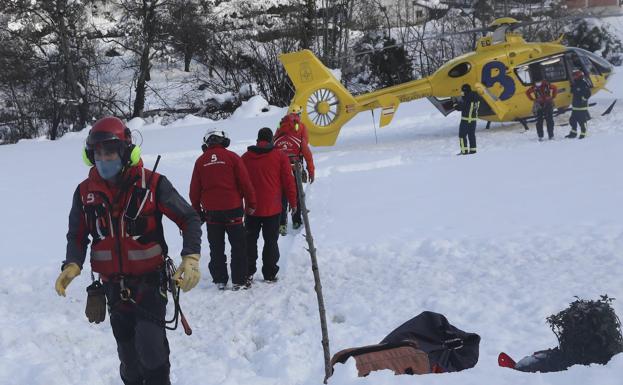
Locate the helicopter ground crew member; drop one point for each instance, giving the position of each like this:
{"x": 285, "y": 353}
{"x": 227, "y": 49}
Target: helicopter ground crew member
{"x": 468, "y": 105}
{"x": 271, "y": 175}
{"x": 291, "y": 138}
{"x": 120, "y": 206}
{"x": 581, "y": 91}
{"x": 219, "y": 183}
{"x": 542, "y": 93}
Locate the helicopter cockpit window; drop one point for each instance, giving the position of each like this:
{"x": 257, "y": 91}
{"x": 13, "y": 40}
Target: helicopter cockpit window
{"x": 589, "y": 65}
{"x": 595, "y": 64}
{"x": 459, "y": 70}
{"x": 554, "y": 70}
{"x": 523, "y": 74}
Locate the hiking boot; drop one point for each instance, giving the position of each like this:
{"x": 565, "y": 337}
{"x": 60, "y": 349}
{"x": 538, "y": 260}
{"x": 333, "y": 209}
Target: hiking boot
{"x": 271, "y": 279}
{"x": 471, "y": 152}
{"x": 571, "y": 135}
{"x": 296, "y": 225}
{"x": 283, "y": 230}
{"x": 221, "y": 285}
{"x": 582, "y": 136}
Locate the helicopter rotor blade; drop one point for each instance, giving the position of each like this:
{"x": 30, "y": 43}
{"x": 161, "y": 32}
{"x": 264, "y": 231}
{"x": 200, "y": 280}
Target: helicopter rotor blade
{"x": 512, "y": 27}
{"x": 407, "y": 42}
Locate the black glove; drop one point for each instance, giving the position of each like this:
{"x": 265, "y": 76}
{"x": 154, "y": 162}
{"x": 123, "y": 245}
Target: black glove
{"x": 96, "y": 303}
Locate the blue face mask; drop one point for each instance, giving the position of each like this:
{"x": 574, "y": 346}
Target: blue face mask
{"x": 108, "y": 169}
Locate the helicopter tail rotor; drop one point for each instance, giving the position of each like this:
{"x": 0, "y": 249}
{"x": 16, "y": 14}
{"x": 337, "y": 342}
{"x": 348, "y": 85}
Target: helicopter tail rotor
{"x": 326, "y": 104}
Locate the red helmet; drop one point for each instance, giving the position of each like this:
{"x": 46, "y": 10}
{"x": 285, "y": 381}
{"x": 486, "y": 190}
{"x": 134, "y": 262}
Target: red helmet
{"x": 109, "y": 128}
{"x": 112, "y": 133}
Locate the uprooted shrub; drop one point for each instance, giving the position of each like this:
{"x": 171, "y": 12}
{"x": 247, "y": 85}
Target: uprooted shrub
{"x": 588, "y": 331}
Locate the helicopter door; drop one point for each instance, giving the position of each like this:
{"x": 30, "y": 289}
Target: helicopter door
{"x": 574, "y": 62}
{"x": 444, "y": 105}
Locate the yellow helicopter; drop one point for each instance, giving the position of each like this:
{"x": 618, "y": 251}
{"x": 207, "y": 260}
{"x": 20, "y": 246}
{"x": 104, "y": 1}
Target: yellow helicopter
{"x": 501, "y": 69}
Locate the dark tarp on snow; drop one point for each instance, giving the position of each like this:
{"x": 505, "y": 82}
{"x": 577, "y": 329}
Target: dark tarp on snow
{"x": 447, "y": 348}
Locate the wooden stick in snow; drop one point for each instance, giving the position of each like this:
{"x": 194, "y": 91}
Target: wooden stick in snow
{"x": 318, "y": 286}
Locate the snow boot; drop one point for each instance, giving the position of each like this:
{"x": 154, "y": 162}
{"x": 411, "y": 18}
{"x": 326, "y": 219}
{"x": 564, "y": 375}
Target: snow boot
{"x": 241, "y": 286}
{"x": 296, "y": 225}
{"x": 571, "y": 135}
{"x": 283, "y": 230}
{"x": 271, "y": 279}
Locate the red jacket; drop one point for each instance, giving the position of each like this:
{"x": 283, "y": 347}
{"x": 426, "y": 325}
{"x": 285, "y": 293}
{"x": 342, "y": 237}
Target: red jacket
{"x": 125, "y": 223}
{"x": 220, "y": 181}
{"x": 543, "y": 94}
{"x": 271, "y": 176}
{"x": 291, "y": 138}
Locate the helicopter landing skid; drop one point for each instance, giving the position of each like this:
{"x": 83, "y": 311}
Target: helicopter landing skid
{"x": 609, "y": 109}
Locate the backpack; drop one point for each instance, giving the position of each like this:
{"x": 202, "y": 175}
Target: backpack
{"x": 427, "y": 343}
{"x": 289, "y": 144}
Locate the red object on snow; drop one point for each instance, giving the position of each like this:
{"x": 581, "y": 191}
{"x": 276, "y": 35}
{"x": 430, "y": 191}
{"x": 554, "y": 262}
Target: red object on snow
{"x": 505, "y": 361}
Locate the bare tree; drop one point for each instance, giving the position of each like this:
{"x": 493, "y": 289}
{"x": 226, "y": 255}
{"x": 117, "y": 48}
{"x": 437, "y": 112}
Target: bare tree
{"x": 142, "y": 21}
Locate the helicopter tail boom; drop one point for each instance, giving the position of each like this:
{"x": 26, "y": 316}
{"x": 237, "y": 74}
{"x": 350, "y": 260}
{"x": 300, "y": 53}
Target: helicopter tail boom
{"x": 326, "y": 103}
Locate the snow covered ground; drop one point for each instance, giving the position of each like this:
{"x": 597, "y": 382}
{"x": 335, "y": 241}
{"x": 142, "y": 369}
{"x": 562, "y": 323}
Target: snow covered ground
{"x": 496, "y": 242}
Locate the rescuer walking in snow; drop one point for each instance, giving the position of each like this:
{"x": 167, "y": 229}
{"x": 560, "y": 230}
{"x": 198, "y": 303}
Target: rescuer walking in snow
{"x": 120, "y": 207}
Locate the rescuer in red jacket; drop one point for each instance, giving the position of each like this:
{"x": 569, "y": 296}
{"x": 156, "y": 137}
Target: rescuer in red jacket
{"x": 219, "y": 183}
{"x": 542, "y": 93}
{"x": 271, "y": 175}
{"x": 291, "y": 138}
{"x": 120, "y": 206}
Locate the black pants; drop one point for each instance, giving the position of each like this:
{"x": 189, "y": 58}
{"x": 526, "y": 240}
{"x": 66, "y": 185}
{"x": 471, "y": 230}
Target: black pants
{"x": 296, "y": 216}
{"x": 467, "y": 131}
{"x": 575, "y": 119}
{"x": 230, "y": 222}
{"x": 270, "y": 253}
{"x": 141, "y": 342}
{"x": 546, "y": 113}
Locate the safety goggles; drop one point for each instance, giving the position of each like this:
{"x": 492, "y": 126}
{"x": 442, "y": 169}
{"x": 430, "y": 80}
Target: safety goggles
{"x": 107, "y": 147}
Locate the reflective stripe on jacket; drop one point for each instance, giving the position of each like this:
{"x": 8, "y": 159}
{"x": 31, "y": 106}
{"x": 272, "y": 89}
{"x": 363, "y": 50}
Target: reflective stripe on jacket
{"x": 468, "y": 105}
{"x": 125, "y": 223}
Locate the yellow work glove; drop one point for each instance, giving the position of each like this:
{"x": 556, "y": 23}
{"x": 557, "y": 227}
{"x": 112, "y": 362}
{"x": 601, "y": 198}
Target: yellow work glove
{"x": 70, "y": 271}
{"x": 190, "y": 270}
